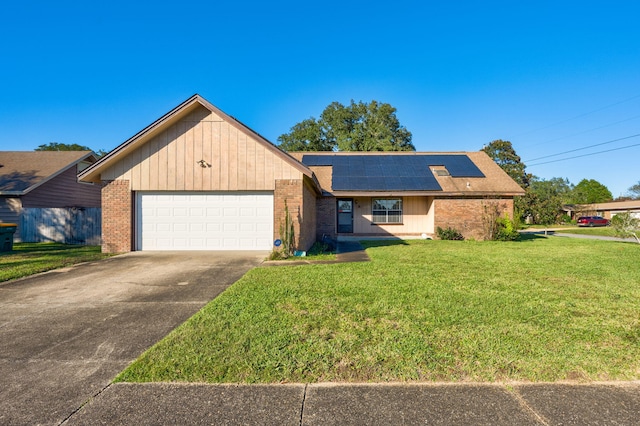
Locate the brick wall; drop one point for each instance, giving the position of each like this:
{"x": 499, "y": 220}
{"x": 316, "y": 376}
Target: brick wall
{"x": 466, "y": 214}
{"x": 308, "y": 228}
{"x": 301, "y": 204}
{"x": 117, "y": 217}
{"x": 326, "y": 217}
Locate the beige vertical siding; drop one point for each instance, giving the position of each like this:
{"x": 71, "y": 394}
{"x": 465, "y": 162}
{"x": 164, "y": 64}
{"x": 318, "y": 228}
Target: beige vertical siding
{"x": 169, "y": 161}
{"x": 417, "y": 217}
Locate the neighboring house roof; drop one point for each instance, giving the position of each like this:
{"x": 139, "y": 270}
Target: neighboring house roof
{"x": 23, "y": 171}
{"x": 92, "y": 174}
{"x": 610, "y": 206}
{"x": 407, "y": 173}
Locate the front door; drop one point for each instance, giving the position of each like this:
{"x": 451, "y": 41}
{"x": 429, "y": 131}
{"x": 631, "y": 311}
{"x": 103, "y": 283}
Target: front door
{"x": 345, "y": 215}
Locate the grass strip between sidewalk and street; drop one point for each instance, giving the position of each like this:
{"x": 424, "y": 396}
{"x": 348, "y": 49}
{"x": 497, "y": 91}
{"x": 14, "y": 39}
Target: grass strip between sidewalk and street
{"x": 31, "y": 258}
{"x": 602, "y": 231}
{"x": 542, "y": 309}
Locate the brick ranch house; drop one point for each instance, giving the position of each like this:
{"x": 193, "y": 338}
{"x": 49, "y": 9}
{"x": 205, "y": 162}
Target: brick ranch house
{"x": 198, "y": 179}
{"x": 606, "y": 210}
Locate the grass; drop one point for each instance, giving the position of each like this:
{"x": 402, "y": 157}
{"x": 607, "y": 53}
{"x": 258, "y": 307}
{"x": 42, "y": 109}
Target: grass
{"x": 536, "y": 310}
{"x": 31, "y": 258}
{"x": 605, "y": 231}
{"x": 317, "y": 252}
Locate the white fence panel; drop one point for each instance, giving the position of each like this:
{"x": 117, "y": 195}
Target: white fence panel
{"x": 61, "y": 225}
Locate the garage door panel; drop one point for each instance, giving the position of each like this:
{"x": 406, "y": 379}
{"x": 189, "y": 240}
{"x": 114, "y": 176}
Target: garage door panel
{"x": 204, "y": 221}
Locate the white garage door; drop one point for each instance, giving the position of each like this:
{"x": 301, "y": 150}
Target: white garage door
{"x": 204, "y": 220}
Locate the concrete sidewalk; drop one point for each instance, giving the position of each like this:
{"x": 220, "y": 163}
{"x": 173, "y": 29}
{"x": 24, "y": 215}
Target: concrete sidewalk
{"x": 364, "y": 404}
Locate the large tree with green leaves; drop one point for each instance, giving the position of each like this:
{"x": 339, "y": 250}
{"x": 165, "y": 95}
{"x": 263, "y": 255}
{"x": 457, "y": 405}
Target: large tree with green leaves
{"x": 590, "y": 191}
{"x": 503, "y": 153}
{"x": 505, "y": 156}
{"x": 56, "y": 146}
{"x": 544, "y": 199}
{"x": 359, "y": 126}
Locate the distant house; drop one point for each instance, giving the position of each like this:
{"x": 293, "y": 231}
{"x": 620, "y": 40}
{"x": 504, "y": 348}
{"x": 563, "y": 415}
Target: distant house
{"x": 39, "y": 190}
{"x": 198, "y": 179}
{"x": 606, "y": 210}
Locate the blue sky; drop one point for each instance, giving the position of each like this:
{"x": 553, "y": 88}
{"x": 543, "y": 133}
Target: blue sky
{"x": 549, "y": 76}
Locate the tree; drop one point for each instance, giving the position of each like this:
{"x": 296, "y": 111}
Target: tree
{"x": 56, "y": 146}
{"x": 505, "y": 156}
{"x": 358, "y": 127}
{"x": 544, "y": 199}
{"x": 590, "y": 191}
{"x": 503, "y": 153}
{"x": 626, "y": 225}
{"x": 634, "y": 191}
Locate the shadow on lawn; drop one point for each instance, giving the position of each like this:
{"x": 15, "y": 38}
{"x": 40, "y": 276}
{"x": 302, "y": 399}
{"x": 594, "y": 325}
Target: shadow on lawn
{"x": 524, "y": 238}
{"x": 528, "y": 237}
{"x": 383, "y": 243}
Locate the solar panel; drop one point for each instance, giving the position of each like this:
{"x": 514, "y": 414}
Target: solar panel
{"x": 317, "y": 160}
{"x": 391, "y": 172}
{"x": 458, "y": 165}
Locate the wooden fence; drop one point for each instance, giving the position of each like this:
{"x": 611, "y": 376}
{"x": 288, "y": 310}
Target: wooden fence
{"x": 62, "y": 225}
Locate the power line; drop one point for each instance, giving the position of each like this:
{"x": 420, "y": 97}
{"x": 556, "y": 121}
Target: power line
{"x": 588, "y": 130}
{"x": 577, "y": 116}
{"x": 584, "y": 147}
{"x": 584, "y": 155}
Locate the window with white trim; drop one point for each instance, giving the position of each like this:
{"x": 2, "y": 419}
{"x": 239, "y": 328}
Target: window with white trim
{"x": 386, "y": 210}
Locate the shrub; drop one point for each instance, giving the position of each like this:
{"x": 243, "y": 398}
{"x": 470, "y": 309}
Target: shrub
{"x": 277, "y": 255}
{"x": 565, "y": 218}
{"x": 449, "y": 234}
{"x": 626, "y": 225}
{"x": 506, "y": 229}
{"x": 320, "y": 248}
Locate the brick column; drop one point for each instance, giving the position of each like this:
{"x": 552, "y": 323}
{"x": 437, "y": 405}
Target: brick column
{"x": 117, "y": 217}
{"x": 293, "y": 191}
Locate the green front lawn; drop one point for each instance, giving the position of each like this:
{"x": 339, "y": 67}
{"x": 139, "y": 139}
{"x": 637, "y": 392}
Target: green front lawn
{"x": 31, "y": 258}
{"x": 536, "y": 310}
{"x": 604, "y": 231}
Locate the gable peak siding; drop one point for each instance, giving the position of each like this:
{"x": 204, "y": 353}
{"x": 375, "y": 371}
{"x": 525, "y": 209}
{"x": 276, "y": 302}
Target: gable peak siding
{"x": 234, "y": 160}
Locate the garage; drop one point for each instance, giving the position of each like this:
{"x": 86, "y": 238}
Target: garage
{"x": 198, "y": 179}
{"x": 220, "y": 220}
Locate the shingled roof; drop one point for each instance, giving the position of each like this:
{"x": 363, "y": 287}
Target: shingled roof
{"x": 23, "y": 171}
{"x": 409, "y": 173}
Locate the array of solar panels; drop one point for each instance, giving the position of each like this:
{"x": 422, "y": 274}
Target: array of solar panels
{"x": 391, "y": 172}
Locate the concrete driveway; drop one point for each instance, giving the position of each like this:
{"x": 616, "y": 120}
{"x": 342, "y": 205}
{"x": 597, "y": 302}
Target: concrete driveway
{"x": 65, "y": 334}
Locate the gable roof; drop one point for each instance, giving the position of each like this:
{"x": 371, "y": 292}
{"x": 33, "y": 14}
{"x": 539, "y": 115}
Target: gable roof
{"x": 23, "y": 171}
{"x": 405, "y": 173}
{"x": 92, "y": 173}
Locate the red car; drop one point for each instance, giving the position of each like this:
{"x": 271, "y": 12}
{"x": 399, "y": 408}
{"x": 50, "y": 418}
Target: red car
{"x": 592, "y": 221}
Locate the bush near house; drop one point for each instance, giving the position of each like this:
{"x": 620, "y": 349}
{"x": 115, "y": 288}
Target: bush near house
{"x": 449, "y": 234}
